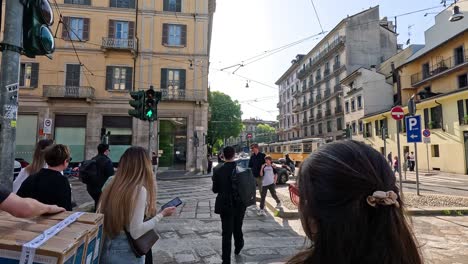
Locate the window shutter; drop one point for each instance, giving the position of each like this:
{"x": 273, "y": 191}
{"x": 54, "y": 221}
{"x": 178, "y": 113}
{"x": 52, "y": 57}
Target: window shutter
{"x": 131, "y": 30}
{"x": 34, "y": 75}
{"x": 85, "y": 29}
{"x": 111, "y": 33}
{"x": 178, "y": 5}
{"x": 128, "y": 78}
{"x": 183, "y": 37}
{"x": 426, "y": 118}
{"x": 66, "y": 23}
{"x": 21, "y": 77}
{"x": 461, "y": 114}
{"x": 163, "y": 78}
{"x": 165, "y": 33}
{"x": 109, "y": 76}
{"x": 182, "y": 79}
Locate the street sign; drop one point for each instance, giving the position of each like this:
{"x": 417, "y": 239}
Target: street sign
{"x": 249, "y": 135}
{"x": 426, "y": 133}
{"x": 413, "y": 129}
{"x": 397, "y": 113}
{"x": 427, "y": 140}
{"x": 47, "y": 126}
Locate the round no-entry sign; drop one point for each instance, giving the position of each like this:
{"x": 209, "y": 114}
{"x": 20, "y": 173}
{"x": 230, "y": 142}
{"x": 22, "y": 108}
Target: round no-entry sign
{"x": 397, "y": 113}
{"x": 426, "y": 133}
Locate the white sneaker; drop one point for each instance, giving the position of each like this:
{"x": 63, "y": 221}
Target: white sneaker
{"x": 279, "y": 205}
{"x": 261, "y": 212}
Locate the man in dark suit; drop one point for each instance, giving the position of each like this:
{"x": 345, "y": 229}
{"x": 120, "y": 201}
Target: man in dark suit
{"x": 228, "y": 206}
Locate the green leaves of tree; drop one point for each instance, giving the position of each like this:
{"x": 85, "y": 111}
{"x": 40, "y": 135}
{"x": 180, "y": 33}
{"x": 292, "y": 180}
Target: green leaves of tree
{"x": 226, "y": 117}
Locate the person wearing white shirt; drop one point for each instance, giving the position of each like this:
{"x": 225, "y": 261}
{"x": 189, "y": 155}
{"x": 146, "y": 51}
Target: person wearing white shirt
{"x": 270, "y": 176}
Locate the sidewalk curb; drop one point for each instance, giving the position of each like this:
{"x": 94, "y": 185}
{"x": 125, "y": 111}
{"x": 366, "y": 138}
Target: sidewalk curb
{"x": 435, "y": 211}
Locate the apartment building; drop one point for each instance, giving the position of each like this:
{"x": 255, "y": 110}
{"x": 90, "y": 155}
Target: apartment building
{"x": 104, "y": 50}
{"x": 311, "y": 97}
{"x": 437, "y": 76}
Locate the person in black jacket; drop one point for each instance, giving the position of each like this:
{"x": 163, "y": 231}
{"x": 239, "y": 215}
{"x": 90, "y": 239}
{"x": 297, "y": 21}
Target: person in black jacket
{"x": 105, "y": 169}
{"x": 255, "y": 163}
{"x": 49, "y": 186}
{"x": 231, "y": 210}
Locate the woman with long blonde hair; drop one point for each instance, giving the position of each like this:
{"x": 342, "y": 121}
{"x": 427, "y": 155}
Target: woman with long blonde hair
{"x": 126, "y": 202}
{"x": 36, "y": 165}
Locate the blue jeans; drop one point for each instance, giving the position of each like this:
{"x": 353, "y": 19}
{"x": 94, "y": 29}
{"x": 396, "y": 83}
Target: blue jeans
{"x": 118, "y": 251}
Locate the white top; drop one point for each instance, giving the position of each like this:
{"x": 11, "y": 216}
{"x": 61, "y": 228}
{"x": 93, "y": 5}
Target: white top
{"x": 22, "y": 176}
{"x": 137, "y": 226}
{"x": 268, "y": 175}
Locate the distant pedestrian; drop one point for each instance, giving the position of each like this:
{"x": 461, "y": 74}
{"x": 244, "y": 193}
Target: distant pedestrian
{"x": 412, "y": 161}
{"x": 351, "y": 210}
{"x": 395, "y": 166}
{"x": 270, "y": 176}
{"x": 231, "y": 210}
{"x": 290, "y": 163}
{"x": 389, "y": 158}
{"x": 49, "y": 186}
{"x": 101, "y": 171}
{"x": 36, "y": 165}
{"x": 255, "y": 163}
{"x": 129, "y": 204}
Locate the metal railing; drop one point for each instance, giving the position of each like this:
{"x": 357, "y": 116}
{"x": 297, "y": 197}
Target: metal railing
{"x": 311, "y": 83}
{"x": 326, "y": 72}
{"x": 338, "y": 110}
{"x": 318, "y": 98}
{"x": 327, "y": 92}
{"x": 438, "y": 68}
{"x": 116, "y": 43}
{"x": 337, "y": 88}
{"x": 170, "y": 94}
{"x": 336, "y": 66}
{"x": 319, "y": 115}
{"x": 328, "y": 112}
{"x": 63, "y": 91}
{"x": 318, "y": 78}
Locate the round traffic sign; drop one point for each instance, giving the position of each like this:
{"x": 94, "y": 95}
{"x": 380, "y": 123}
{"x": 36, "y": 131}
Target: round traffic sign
{"x": 397, "y": 113}
{"x": 426, "y": 133}
{"x": 47, "y": 122}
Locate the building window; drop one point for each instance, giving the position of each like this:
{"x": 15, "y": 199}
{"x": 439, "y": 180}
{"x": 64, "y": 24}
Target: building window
{"x": 77, "y": 28}
{"x": 29, "y": 75}
{"x": 329, "y": 126}
{"x": 433, "y": 117}
{"x": 368, "y": 132}
{"x": 339, "y": 124}
{"x": 337, "y": 61}
{"x": 72, "y": 75}
{"x": 78, "y": 2}
{"x": 462, "y": 81}
{"x": 119, "y": 78}
{"x": 459, "y": 55}
{"x": 305, "y": 132}
{"x": 347, "y": 107}
{"x": 361, "y": 128}
{"x": 359, "y": 102}
{"x": 173, "y": 83}
{"x": 312, "y": 130}
{"x": 435, "y": 151}
{"x": 462, "y": 114}
{"x": 353, "y": 105}
{"x": 122, "y": 3}
{"x": 174, "y": 35}
{"x": 354, "y": 127}
{"x": 172, "y": 5}
{"x": 425, "y": 70}
{"x": 320, "y": 130}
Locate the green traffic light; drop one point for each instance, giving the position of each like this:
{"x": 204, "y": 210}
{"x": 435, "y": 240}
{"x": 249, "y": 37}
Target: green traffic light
{"x": 149, "y": 114}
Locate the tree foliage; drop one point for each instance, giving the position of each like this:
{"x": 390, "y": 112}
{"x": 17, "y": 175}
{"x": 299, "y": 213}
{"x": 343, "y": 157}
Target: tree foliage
{"x": 226, "y": 118}
{"x": 265, "y": 133}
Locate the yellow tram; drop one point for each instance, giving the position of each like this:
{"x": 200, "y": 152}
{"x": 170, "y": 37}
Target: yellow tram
{"x": 298, "y": 150}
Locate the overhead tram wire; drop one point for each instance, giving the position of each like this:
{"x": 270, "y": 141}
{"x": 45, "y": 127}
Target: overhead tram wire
{"x": 316, "y": 14}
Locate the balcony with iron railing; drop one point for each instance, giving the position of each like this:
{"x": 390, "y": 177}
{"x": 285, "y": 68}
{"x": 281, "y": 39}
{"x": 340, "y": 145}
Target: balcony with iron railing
{"x": 318, "y": 98}
{"x": 336, "y": 66}
{"x": 439, "y": 69}
{"x": 327, "y": 92}
{"x": 326, "y": 72}
{"x": 119, "y": 43}
{"x": 63, "y": 91}
{"x": 319, "y": 115}
{"x": 328, "y": 112}
{"x": 304, "y": 72}
{"x": 311, "y": 119}
{"x": 338, "y": 110}
{"x": 311, "y": 83}
{"x": 337, "y": 88}
{"x": 318, "y": 78}
{"x": 296, "y": 108}
{"x": 171, "y": 94}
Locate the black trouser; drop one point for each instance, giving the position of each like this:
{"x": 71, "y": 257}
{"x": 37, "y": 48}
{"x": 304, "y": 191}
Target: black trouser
{"x": 95, "y": 194}
{"x": 149, "y": 257}
{"x": 231, "y": 223}
{"x": 272, "y": 188}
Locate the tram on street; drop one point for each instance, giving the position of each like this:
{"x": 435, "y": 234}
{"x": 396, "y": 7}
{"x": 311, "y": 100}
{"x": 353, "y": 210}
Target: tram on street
{"x": 298, "y": 150}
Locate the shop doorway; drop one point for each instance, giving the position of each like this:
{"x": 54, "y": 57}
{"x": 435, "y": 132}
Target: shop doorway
{"x": 173, "y": 143}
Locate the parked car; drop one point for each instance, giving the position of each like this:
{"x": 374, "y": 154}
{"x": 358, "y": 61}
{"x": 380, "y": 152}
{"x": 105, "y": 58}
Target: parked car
{"x": 16, "y": 170}
{"x": 283, "y": 173}
{"x": 23, "y": 163}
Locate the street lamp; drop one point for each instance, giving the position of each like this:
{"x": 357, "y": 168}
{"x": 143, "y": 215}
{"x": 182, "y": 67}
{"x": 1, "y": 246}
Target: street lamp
{"x": 456, "y": 14}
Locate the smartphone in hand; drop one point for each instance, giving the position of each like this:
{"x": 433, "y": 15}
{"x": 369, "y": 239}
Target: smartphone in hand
{"x": 172, "y": 203}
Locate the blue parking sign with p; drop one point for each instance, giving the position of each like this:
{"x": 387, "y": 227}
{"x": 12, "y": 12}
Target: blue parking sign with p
{"x": 413, "y": 129}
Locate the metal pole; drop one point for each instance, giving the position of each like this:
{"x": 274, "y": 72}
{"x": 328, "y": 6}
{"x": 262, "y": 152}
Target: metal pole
{"x": 384, "y": 141}
{"x": 150, "y": 137}
{"x": 416, "y": 162}
{"x": 9, "y": 95}
{"x": 399, "y": 155}
{"x": 427, "y": 154}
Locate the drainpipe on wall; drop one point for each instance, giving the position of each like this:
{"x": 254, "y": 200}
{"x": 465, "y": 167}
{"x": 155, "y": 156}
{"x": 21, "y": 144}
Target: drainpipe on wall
{"x": 441, "y": 116}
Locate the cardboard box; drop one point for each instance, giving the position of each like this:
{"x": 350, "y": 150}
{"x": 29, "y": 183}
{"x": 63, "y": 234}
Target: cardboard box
{"x": 53, "y": 251}
{"x": 90, "y": 219}
{"x": 79, "y": 242}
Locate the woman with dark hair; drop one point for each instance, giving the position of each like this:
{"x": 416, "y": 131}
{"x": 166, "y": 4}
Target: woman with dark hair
{"x": 351, "y": 209}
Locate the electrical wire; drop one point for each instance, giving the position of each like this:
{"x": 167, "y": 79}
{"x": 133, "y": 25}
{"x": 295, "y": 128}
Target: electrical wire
{"x": 316, "y": 14}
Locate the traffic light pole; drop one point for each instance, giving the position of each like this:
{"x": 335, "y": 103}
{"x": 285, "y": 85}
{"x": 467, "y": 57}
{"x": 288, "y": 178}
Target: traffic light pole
{"x": 9, "y": 89}
{"x": 150, "y": 137}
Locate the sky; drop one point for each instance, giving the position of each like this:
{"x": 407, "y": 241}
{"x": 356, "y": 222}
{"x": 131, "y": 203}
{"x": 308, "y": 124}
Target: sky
{"x": 245, "y": 28}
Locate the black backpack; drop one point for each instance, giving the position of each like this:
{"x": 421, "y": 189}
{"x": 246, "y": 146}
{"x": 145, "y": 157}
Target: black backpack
{"x": 243, "y": 185}
{"x": 88, "y": 171}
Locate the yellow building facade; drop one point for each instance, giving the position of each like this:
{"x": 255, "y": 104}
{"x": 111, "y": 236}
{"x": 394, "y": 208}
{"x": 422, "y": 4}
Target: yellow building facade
{"x": 437, "y": 76}
{"x": 104, "y": 50}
